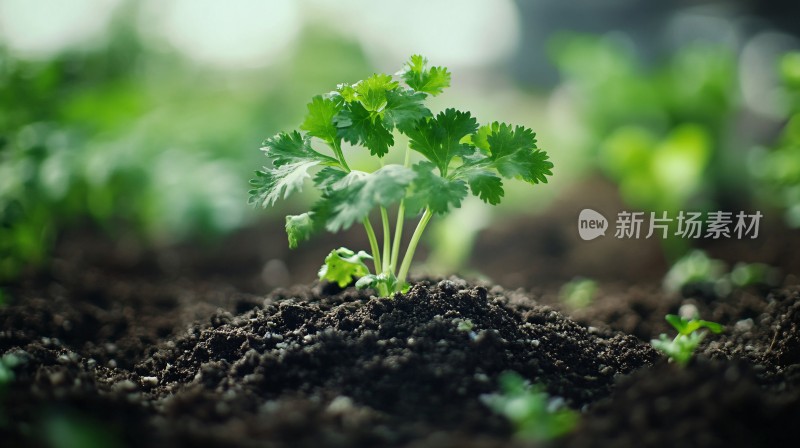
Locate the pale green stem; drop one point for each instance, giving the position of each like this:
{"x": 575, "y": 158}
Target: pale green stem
{"x": 401, "y": 216}
{"x": 387, "y": 243}
{"x": 412, "y": 246}
{"x": 398, "y": 235}
{"x": 373, "y": 244}
{"x": 337, "y": 148}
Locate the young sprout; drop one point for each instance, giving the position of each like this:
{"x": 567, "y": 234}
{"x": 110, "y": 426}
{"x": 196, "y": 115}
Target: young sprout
{"x": 750, "y": 274}
{"x": 455, "y": 156}
{"x": 681, "y": 348}
{"x": 7, "y": 364}
{"x": 533, "y": 412}
{"x": 694, "y": 268}
{"x": 578, "y": 293}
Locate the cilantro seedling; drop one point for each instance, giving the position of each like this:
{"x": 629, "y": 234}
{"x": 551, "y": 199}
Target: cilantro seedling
{"x": 682, "y": 347}
{"x": 533, "y": 412}
{"x": 778, "y": 168}
{"x": 457, "y": 156}
{"x": 7, "y": 364}
{"x": 578, "y": 293}
{"x": 696, "y": 269}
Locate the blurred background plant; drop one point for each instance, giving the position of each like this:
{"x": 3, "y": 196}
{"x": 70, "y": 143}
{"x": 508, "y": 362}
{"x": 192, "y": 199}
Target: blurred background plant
{"x": 697, "y": 274}
{"x": 653, "y": 131}
{"x": 143, "y": 119}
{"x": 779, "y": 169}
{"x": 578, "y": 293}
{"x": 533, "y": 412}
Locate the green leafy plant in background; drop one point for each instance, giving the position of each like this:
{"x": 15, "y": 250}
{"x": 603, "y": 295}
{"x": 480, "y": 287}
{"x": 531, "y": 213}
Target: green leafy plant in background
{"x": 65, "y": 429}
{"x": 779, "y": 169}
{"x": 533, "y": 412}
{"x": 80, "y": 145}
{"x": 697, "y": 271}
{"x": 694, "y": 268}
{"x": 682, "y": 347}
{"x": 458, "y": 157}
{"x": 662, "y": 134}
{"x": 93, "y": 138}
{"x": 7, "y": 363}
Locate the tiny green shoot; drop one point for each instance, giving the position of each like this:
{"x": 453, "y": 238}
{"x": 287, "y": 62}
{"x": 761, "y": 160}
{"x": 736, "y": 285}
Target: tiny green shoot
{"x": 464, "y": 325}
{"x": 578, "y": 293}
{"x": 749, "y": 274}
{"x": 696, "y": 267}
{"x": 7, "y": 364}
{"x": 697, "y": 271}
{"x": 682, "y": 347}
{"x": 533, "y": 412}
{"x": 455, "y": 156}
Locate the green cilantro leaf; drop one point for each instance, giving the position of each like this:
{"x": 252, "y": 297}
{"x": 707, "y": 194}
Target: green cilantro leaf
{"x": 292, "y": 157}
{"x": 376, "y": 281}
{"x": 319, "y": 121}
{"x": 347, "y": 91}
{"x": 270, "y": 184}
{"x": 514, "y": 153}
{"x": 485, "y": 185}
{"x": 439, "y": 138}
{"x": 689, "y": 326}
{"x": 292, "y": 147}
{"x": 481, "y": 139}
{"x": 422, "y": 79}
{"x": 328, "y": 177}
{"x": 404, "y": 108}
{"x": 682, "y": 347}
{"x": 356, "y": 194}
{"x": 299, "y": 228}
{"x": 435, "y": 192}
{"x": 358, "y": 126}
{"x": 342, "y": 265}
{"x": 371, "y": 92}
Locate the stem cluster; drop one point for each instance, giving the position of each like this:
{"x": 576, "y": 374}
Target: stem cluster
{"x": 385, "y": 260}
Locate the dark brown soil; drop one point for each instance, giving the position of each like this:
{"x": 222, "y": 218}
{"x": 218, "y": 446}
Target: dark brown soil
{"x": 188, "y": 346}
{"x": 196, "y": 364}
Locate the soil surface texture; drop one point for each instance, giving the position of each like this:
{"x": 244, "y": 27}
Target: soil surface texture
{"x": 112, "y": 345}
{"x": 135, "y": 362}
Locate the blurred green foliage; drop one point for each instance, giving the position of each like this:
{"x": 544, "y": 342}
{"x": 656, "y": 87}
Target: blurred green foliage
{"x": 578, "y": 293}
{"x": 695, "y": 268}
{"x": 658, "y": 132}
{"x": 72, "y": 430}
{"x": 7, "y": 363}
{"x": 779, "y": 169}
{"x": 135, "y": 139}
{"x": 534, "y": 414}
{"x": 690, "y": 333}
{"x": 697, "y": 273}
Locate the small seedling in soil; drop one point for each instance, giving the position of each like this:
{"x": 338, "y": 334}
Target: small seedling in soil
{"x": 458, "y": 156}
{"x": 696, "y": 269}
{"x": 689, "y": 336}
{"x": 533, "y": 412}
{"x": 754, "y": 274}
{"x": 698, "y": 274}
{"x": 578, "y": 293}
{"x": 7, "y": 364}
